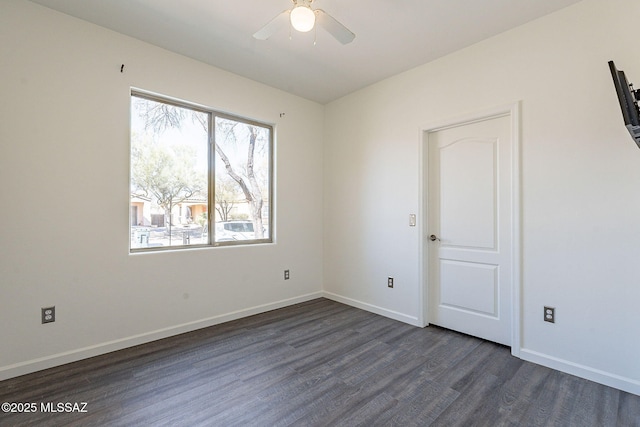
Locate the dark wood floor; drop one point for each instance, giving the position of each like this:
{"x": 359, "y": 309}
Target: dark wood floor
{"x": 316, "y": 364}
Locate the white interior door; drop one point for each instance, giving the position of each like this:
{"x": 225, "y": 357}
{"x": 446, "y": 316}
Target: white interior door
{"x": 469, "y": 232}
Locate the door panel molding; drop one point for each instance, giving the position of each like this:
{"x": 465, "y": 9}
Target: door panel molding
{"x": 479, "y": 158}
{"x": 513, "y": 112}
{"x": 457, "y": 294}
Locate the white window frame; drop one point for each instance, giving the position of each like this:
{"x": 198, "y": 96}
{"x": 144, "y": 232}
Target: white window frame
{"x": 211, "y": 175}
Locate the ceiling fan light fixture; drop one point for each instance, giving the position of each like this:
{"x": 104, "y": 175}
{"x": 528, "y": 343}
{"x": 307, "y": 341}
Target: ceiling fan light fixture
{"x": 302, "y": 18}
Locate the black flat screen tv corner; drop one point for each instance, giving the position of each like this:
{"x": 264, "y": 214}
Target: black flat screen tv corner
{"x": 628, "y": 100}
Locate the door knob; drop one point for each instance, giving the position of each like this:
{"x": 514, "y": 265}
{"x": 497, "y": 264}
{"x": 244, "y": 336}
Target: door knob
{"x": 433, "y": 238}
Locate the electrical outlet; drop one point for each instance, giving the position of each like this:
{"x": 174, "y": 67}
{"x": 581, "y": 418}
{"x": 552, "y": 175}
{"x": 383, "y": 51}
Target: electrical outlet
{"x": 390, "y": 282}
{"x": 48, "y": 314}
{"x": 549, "y": 314}
{"x": 286, "y": 275}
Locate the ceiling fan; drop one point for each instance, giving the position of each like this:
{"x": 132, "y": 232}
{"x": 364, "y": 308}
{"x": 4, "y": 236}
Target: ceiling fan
{"x": 302, "y": 18}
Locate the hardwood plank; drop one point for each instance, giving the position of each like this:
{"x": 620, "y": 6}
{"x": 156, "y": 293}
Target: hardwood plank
{"x": 374, "y": 412}
{"x": 430, "y": 400}
{"x": 515, "y": 397}
{"x": 315, "y": 364}
{"x": 628, "y": 412}
{"x": 468, "y": 406}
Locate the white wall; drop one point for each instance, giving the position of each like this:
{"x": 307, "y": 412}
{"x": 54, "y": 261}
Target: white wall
{"x": 580, "y": 184}
{"x": 64, "y": 158}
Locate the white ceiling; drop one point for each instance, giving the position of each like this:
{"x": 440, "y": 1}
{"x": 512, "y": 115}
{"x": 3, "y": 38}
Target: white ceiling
{"x": 391, "y": 35}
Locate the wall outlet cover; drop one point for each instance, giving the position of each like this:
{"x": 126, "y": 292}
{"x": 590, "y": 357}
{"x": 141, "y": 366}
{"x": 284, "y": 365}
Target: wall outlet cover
{"x": 48, "y": 314}
{"x": 550, "y": 314}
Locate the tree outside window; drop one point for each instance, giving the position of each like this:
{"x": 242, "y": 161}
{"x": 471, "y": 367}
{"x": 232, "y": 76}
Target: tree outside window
{"x": 207, "y": 174}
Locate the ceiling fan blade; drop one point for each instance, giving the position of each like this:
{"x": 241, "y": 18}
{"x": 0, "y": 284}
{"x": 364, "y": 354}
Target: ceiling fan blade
{"x": 280, "y": 21}
{"x": 333, "y": 27}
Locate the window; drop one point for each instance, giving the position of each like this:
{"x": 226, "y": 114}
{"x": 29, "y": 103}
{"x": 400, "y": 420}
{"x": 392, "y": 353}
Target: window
{"x": 198, "y": 177}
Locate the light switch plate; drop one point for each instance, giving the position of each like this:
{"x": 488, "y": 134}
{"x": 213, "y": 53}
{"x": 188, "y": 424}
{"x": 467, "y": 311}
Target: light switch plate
{"x": 412, "y": 220}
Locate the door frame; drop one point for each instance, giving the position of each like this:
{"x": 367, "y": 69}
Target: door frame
{"x": 513, "y": 111}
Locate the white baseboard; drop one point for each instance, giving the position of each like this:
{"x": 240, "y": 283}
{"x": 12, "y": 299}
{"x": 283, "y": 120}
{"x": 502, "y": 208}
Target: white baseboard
{"x": 39, "y": 364}
{"x": 586, "y": 372}
{"x": 22, "y": 368}
{"x": 412, "y": 320}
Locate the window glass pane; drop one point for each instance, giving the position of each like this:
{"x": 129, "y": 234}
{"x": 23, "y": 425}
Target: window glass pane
{"x": 242, "y": 180}
{"x": 169, "y": 171}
